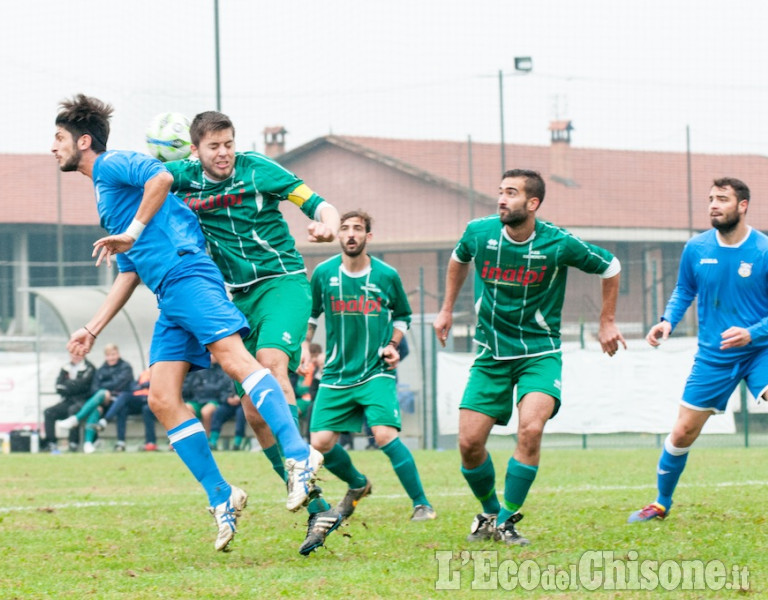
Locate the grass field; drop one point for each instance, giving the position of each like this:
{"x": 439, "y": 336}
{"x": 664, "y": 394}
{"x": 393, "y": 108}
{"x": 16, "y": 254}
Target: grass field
{"x": 134, "y": 525}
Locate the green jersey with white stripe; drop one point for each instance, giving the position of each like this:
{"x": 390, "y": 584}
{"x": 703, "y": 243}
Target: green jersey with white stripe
{"x": 522, "y": 284}
{"x": 246, "y": 233}
{"x": 361, "y": 311}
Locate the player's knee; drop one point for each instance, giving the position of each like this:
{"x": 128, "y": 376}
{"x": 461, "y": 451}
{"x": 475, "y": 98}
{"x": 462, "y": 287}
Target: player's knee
{"x": 472, "y": 449}
{"x": 322, "y": 441}
{"x": 384, "y": 436}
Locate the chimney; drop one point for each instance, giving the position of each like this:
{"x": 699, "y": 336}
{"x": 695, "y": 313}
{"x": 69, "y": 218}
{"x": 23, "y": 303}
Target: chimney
{"x": 560, "y": 153}
{"x": 274, "y": 141}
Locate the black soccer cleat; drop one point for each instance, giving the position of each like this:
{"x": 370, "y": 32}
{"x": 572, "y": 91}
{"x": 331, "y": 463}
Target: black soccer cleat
{"x": 507, "y": 533}
{"x": 348, "y": 504}
{"x": 319, "y": 525}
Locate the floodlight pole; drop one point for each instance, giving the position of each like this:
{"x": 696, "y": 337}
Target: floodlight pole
{"x": 523, "y": 66}
{"x": 218, "y": 63}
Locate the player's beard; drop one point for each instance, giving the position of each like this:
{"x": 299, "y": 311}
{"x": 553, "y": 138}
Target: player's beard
{"x": 726, "y": 224}
{"x": 72, "y": 162}
{"x": 356, "y": 251}
{"x": 513, "y": 218}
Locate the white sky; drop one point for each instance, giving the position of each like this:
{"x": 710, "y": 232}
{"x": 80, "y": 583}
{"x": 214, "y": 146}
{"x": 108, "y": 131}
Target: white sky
{"x": 629, "y": 75}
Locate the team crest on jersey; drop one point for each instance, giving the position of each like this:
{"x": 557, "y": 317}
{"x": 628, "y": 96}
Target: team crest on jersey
{"x": 745, "y": 269}
{"x": 492, "y": 244}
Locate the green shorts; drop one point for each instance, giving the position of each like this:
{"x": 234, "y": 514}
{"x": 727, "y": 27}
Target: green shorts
{"x": 491, "y": 382}
{"x": 197, "y": 407}
{"x": 278, "y": 312}
{"x": 342, "y": 409}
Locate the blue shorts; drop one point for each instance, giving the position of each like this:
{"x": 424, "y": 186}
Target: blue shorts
{"x": 710, "y": 385}
{"x": 194, "y": 311}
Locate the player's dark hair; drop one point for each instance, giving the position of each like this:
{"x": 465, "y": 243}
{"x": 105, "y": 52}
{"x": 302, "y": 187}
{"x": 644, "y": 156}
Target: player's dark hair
{"x": 85, "y": 115}
{"x": 208, "y": 122}
{"x": 741, "y": 189}
{"x": 534, "y": 184}
{"x": 360, "y": 214}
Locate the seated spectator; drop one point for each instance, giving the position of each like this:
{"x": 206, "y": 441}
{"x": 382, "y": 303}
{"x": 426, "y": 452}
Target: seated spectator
{"x": 133, "y": 402}
{"x": 73, "y": 385}
{"x": 204, "y": 390}
{"x": 111, "y": 378}
{"x": 231, "y": 407}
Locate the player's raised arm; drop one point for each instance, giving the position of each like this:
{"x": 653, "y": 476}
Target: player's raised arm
{"x": 156, "y": 191}
{"x": 455, "y": 277}
{"x": 325, "y": 229}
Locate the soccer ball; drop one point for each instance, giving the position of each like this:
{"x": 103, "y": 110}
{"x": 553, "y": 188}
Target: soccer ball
{"x": 168, "y": 136}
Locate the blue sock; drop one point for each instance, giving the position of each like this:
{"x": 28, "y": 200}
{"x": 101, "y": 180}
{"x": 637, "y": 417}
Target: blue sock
{"x": 191, "y": 445}
{"x": 269, "y": 400}
{"x": 671, "y": 465}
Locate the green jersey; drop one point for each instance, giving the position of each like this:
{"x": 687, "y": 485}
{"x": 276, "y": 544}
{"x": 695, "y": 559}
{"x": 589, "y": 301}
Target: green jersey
{"x": 361, "y": 311}
{"x": 246, "y": 233}
{"x": 522, "y": 284}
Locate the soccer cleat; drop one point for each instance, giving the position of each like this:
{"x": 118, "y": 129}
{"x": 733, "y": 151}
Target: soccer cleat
{"x": 653, "y": 511}
{"x": 423, "y": 512}
{"x": 226, "y": 515}
{"x": 348, "y": 504}
{"x": 319, "y": 525}
{"x": 507, "y": 533}
{"x": 150, "y": 447}
{"x": 120, "y": 446}
{"x": 301, "y": 478}
{"x": 101, "y": 425}
{"x": 64, "y": 425}
{"x": 483, "y": 527}
{"x": 89, "y": 447}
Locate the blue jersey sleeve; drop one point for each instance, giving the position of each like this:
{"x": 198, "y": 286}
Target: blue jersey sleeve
{"x": 685, "y": 290}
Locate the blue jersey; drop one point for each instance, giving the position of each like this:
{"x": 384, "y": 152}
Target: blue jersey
{"x": 731, "y": 287}
{"x": 119, "y": 179}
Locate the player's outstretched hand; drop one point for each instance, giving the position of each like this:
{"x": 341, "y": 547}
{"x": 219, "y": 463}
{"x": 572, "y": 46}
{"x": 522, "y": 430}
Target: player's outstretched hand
{"x": 658, "y": 333}
{"x": 320, "y": 232}
{"x": 303, "y": 367}
{"x": 735, "y": 337}
{"x": 391, "y": 356}
{"x": 80, "y": 342}
{"x": 442, "y": 326}
{"x": 106, "y": 247}
{"x": 610, "y": 337}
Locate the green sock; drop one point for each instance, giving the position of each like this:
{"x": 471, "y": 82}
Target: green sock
{"x": 236, "y": 442}
{"x": 214, "y": 439}
{"x": 294, "y": 413}
{"x": 482, "y": 482}
{"x": 90, "y": 406}
{"x": 516, "y": 485}
{"x": 338, "y": 462}
{"x": 405, "y": 468}
{"x": 274, "y": 456}
{"x": 90, "y": 432}
{"x": 318, "y": 504}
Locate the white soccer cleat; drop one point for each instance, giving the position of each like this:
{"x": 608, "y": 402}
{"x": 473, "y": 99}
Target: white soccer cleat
{"x": 64, "y": 425}
{"x": 301, "y": 478}
{"x": 89, "y": 448}
{"x": 226, "y": 515}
